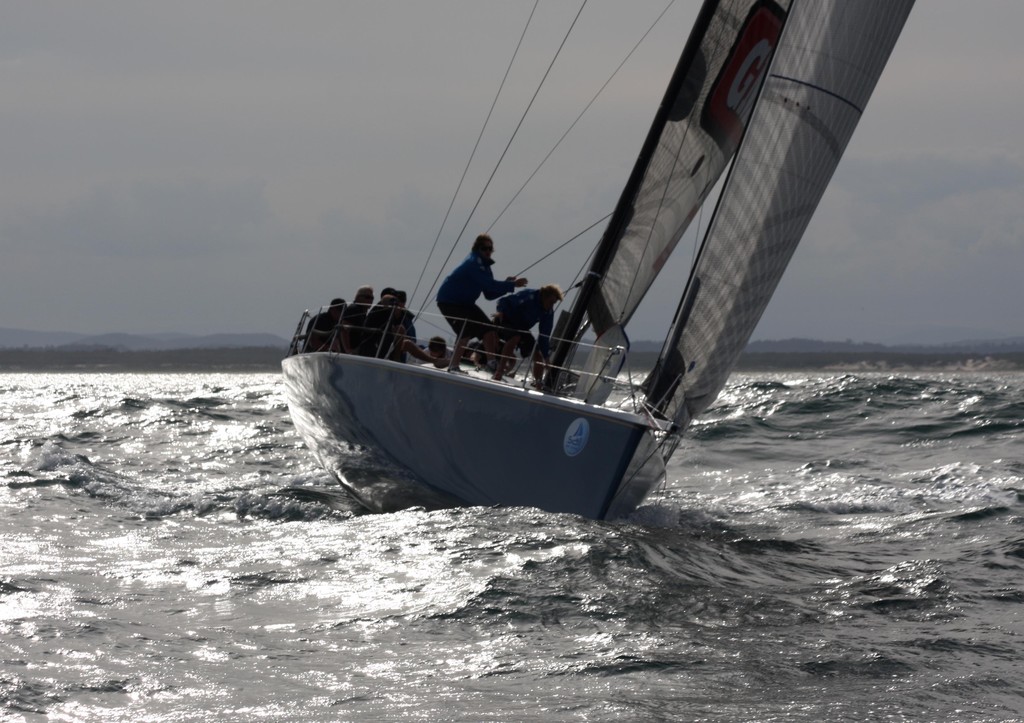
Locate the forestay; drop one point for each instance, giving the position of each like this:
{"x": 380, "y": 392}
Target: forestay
{"x": 825, "y": 68}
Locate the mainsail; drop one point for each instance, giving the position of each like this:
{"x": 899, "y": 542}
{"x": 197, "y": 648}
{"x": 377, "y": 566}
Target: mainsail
{"x": 825, "y": 68}
{"x": 694, "y": 136}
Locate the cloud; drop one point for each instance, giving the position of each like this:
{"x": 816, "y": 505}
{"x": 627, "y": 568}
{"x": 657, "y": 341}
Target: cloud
{"x": 203, "y": 167}
{"x": 934, "y": 207}
{"x": 909, "y": 183}
{"x": 154, "y": 220}
{"x": 905, "y": 244}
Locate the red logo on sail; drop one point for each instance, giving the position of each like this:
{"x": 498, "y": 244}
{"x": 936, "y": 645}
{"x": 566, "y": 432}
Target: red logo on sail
{"x": 732, "y": 97}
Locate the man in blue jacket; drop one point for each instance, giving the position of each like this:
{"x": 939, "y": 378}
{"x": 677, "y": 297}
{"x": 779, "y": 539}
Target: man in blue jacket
{"x": 516, "y": 315}
{"x": 459, "y": 292}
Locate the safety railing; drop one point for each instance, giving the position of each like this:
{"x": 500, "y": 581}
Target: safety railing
{"x": 624, "y": 379}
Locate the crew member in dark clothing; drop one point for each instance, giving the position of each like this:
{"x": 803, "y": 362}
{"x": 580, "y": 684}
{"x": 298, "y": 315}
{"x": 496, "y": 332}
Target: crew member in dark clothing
{"x": 382, "y": 326}
{"x": 408, "y": 319}
{"x": 408, "y": 322}
{"x": 384, "y": 333}
{"x": 517, "y": 314}
{"x": 322, "y": 334}
{"x": 353, "y": 319}
{"x": 458, "y": 294}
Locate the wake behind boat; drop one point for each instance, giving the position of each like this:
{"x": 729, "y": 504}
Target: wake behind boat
{"x": 771, "y": 91}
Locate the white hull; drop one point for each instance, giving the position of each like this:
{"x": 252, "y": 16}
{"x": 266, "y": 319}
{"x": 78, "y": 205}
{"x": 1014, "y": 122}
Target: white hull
{"x": 400, "y": 435}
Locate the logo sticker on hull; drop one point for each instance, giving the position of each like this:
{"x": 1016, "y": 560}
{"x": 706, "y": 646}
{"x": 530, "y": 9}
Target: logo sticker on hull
{"x": 576, "y": 437}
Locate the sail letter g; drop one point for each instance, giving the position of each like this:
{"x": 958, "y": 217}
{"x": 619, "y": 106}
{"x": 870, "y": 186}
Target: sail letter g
{"x": 741, "y": 93}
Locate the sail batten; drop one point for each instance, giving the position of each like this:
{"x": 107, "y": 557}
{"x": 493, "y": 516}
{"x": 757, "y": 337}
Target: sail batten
{"x": 798, "y": 81}
{"x": 825, "y": 68}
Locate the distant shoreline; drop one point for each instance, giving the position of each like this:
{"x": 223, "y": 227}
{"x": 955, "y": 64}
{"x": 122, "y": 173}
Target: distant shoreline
{"x": 268, "y": 359}
{"x": 867, "y": 361}
{"x": 241, "y": 359}
{"x": 881, "y": 362}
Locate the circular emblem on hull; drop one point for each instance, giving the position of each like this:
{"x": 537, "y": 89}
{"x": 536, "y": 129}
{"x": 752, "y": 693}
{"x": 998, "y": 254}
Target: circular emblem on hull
{"x": 576, "y": 437}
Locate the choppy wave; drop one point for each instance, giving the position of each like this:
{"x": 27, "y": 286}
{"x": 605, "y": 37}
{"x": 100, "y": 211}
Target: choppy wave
{"x": 825, "y": 547}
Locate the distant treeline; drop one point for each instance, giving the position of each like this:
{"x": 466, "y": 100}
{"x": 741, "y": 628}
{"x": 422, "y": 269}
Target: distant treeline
{"x": 860, "y": 361}
{"x": 881, "y": 361}
{"x": 242, "y": 359}
{"x": 268, "y": 359}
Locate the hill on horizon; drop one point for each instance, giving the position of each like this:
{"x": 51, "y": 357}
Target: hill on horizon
{"x": 818, "y": 346}
{"x": 797, "y": 346}
{"x": 70, "y": 341}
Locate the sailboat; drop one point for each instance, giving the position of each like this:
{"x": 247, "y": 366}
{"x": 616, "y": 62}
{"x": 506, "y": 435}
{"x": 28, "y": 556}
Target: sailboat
{"x": 766, "y": 93}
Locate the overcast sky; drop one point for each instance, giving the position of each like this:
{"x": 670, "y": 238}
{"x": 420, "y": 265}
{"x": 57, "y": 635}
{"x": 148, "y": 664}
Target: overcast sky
{"x": 218, "y": 166}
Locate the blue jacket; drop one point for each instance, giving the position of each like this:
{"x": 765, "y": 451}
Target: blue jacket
{"x": 522, "y": 310}
{"x": 471, "y": 278}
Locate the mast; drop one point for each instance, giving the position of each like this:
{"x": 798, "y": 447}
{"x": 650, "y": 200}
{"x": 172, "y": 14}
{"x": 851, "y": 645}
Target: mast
{"x": 693, "y": 137}
{"x": 624, "y": 208}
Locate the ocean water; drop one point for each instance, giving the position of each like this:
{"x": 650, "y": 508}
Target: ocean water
{"x": 827, "y": 547}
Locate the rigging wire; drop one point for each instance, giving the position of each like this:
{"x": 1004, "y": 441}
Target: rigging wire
{"x": 562, "y": 246}
{"x": 577, "y": 282}
{"x": 515, "y": 132}
{"x": 585, "y": 109}
{"x": 473, "y": 152}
